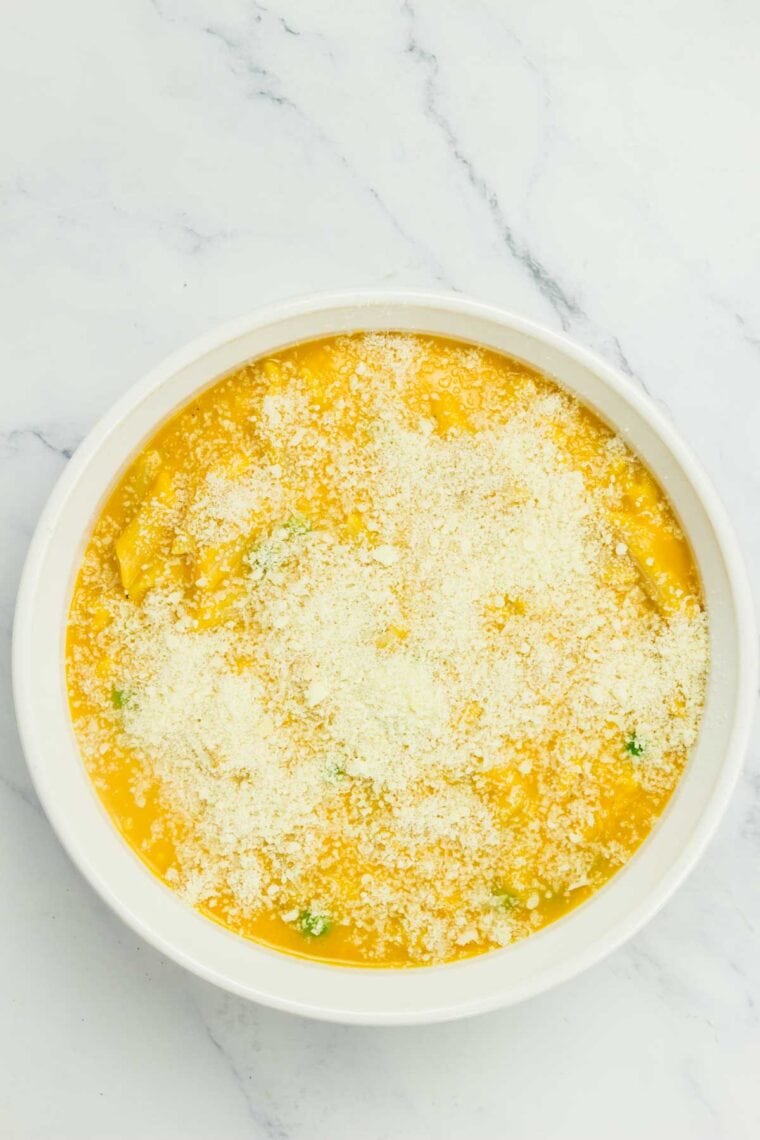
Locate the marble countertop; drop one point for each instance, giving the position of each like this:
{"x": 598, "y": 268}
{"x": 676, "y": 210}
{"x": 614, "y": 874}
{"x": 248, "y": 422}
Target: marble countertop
{"x": 171, "y": 163}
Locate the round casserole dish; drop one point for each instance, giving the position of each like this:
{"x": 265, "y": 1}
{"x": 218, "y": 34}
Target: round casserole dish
{"x": 377, "y": 995}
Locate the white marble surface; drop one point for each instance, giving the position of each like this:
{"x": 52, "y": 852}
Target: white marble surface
{"x": 170, "y": 163}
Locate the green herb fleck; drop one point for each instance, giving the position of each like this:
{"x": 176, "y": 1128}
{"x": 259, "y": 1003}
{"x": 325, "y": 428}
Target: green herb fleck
{"x": 505, "y": 901}
{"x": 298, "y": 525}
{"x": 313, "y": 925}
{"x": 335, "y": 771}
{"x": 634, "y": 746}
{"x": 264, "y": 556}
{"x": 119, "y": 698}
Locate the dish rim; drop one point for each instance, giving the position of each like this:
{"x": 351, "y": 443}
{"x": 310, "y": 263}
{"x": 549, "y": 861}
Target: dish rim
{"x": 28, "y": 711}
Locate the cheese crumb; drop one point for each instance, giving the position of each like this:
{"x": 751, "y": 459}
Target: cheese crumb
{"x": 385, "y": 555}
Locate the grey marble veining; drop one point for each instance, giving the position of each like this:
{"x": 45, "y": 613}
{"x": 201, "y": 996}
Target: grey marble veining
{"x": 171, "y": 163}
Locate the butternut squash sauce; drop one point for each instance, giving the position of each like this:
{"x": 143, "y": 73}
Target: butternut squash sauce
{"x": 137, "y": 552}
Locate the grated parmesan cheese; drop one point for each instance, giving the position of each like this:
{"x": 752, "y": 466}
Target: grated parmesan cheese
{"x": 411, "y": 713}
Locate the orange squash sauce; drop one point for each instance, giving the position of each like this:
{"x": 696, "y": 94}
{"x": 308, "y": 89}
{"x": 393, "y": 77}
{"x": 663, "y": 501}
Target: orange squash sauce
{"x": 135, "y": 550}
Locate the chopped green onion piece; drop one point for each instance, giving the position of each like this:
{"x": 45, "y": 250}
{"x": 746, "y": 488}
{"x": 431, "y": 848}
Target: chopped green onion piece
{"x": 119, "y": 697}
{"x": 634, "y": 746}
{"x": 313, "y": 925}
{"x": 297, "y": 525}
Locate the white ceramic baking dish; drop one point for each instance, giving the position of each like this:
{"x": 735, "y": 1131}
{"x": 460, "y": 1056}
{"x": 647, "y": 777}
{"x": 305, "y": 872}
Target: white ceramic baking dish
{"x": 379, "y": 996}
